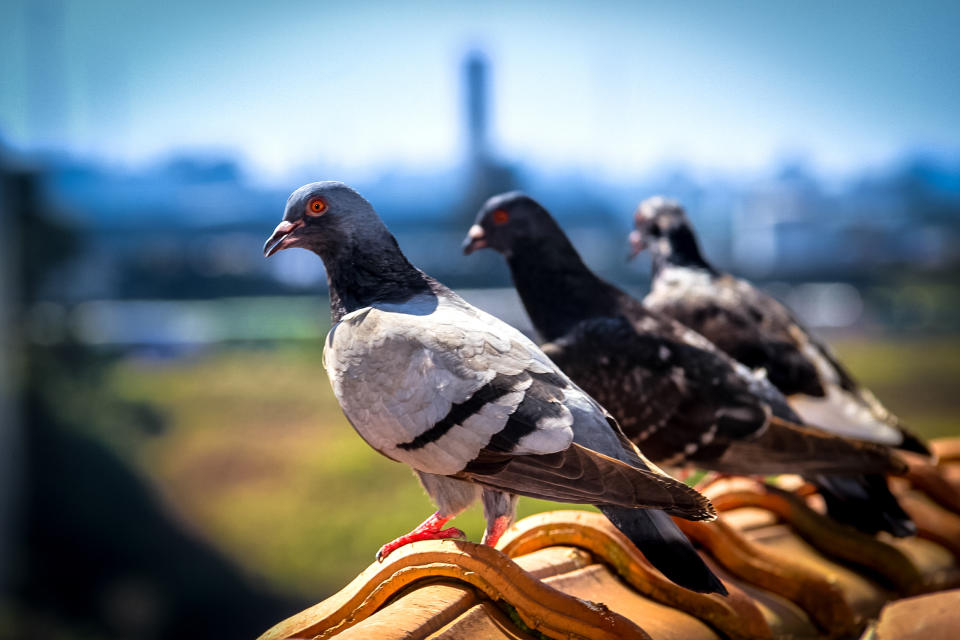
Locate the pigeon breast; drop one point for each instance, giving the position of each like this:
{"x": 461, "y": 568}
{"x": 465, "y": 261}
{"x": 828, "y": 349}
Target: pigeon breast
{"x": 433, "y": 382}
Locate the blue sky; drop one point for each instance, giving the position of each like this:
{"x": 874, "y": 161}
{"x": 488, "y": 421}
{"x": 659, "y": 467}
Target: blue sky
{"x": 615, "y": 88}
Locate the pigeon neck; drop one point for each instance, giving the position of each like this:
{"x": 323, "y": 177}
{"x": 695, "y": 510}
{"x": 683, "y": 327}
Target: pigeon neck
{"x": 556, "y": 287}
{"x": 679, "y": 248}
{"x": 360, "y": 276}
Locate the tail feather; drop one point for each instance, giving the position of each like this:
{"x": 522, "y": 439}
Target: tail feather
{"x": 785, "y": 447}
{"x": 864, "y": 502}
{"x": 913, "y": 443}
{"x": 662, "y": 543}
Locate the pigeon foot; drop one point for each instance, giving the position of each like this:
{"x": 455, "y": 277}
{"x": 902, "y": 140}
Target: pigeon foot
{"x": 429, "y": 529}
{"x": 496, "y": 530}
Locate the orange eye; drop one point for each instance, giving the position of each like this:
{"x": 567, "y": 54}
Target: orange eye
{"x": 500, "y": 217}
{"x": 316, "y": 207}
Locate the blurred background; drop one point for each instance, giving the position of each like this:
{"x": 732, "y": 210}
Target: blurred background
{"x": 172, "y": 463}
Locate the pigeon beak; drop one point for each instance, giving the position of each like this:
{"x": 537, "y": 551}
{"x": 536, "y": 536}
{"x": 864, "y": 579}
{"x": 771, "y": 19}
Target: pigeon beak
{"x": 475, "y": 240}
{"x": 637, "y": 244}
{"x": 281, "y": 237}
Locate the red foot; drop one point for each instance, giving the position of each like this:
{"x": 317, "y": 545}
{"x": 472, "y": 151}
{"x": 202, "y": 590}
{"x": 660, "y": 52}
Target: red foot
{"x": 429, "y": 529}
{"x": 496, "y": 529}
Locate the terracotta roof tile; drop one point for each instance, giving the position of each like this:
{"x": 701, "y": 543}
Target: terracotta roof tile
{"x": 734, "y": 615}
{"x": 780, "y": 613}
{"x": 777, "y": 573}
{"x": 421, "y": 611}
{"x": 791, "y": 574}
{"x": 863, "y": 595}
{"x": 930, "y": 617}
{"x": 598, "y": 584}
{"x": 483, "y": 622}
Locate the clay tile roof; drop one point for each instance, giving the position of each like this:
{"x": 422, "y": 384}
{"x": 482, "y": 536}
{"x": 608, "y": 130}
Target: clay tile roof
{"x": 791, "y": 573}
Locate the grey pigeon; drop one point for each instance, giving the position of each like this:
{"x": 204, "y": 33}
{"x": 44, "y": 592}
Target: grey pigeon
{"x": 473, "y": 406}
{"x": 763, "y": 334}
{"x": 673, "y": 392}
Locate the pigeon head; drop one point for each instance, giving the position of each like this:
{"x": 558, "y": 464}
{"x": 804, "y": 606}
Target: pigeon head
{"x": 324, "y": 216}
{"x": 662, "y": 225}
{"x": 506, "y": 220}
{"x": 656, "y": 220}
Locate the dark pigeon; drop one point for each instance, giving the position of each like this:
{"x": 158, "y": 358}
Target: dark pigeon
{"x": 473, "y": 406}
{"x": 673, "y": 392}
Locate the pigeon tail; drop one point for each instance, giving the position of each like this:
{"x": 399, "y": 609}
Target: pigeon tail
{"x": 865, "y": 503}
{"x": 785, "y": 447}
{"x": 667, "y": 549}
{"x": 913, "y": 443}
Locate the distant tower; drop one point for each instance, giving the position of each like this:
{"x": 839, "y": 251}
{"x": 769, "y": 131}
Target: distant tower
{"x": 478, "y": 97}
{"x": 485, "y": 175}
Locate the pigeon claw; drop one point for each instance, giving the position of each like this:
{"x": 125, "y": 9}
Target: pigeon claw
{"x": 430, "y": 529}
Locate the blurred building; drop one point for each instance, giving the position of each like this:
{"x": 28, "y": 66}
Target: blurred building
{"x": 191, "y": 227}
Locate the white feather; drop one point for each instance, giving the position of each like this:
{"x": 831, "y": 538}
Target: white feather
{"x": 839, "y": 411}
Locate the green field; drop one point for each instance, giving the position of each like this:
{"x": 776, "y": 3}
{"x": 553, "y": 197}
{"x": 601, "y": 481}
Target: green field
{"x": 255, "y": 455}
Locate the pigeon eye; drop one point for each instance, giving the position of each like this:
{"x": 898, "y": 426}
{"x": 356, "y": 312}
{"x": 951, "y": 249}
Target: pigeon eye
{"x": 500, "y": 217}
{"x": 316, "y": 207}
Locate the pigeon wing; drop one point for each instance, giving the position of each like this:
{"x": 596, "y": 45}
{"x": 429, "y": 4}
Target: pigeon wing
{"x": 673, "y": 393}
{"x": 583, "y": 476}
{"x": 760, "y": 332}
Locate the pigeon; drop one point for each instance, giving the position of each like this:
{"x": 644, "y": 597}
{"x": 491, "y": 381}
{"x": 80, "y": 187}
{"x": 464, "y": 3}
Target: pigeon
{"x": 757, "y": 330}
{"x": 763, "y": 334}
{"x": 472, "y": 405}
{"x": 673, "y": 392}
